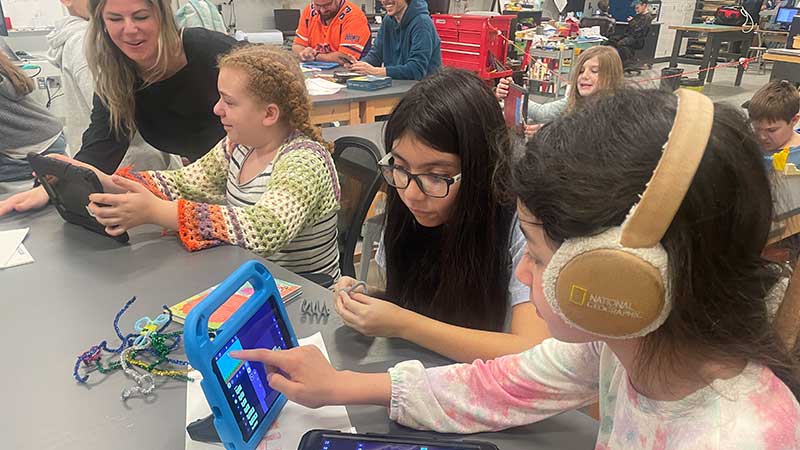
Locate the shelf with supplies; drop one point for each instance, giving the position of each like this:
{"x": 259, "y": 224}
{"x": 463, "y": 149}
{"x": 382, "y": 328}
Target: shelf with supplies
{"x": 541, "y": 81}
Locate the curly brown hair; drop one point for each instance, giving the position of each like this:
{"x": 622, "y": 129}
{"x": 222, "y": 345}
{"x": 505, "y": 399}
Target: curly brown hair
{"x": 275, "y": 77}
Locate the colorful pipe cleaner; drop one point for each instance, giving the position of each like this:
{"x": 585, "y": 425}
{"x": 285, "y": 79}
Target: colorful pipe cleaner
{"x": 146, "y": 349}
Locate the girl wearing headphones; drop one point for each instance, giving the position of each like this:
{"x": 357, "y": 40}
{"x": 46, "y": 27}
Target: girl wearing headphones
{"x": 664, "y": 313}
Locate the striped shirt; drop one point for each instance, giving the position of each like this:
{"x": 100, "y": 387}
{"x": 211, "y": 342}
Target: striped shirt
{"x": 313, "y": 250}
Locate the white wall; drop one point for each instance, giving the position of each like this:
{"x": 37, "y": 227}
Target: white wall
{"x": 673, "y": 12}
{"x": 256, "y": 15}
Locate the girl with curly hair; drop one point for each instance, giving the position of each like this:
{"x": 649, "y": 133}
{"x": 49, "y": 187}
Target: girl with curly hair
{"x": 269, "y": 186}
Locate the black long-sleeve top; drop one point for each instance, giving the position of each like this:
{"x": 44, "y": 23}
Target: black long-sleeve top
{"x": 174, "y": 115}
{"x": 638, "y": 27}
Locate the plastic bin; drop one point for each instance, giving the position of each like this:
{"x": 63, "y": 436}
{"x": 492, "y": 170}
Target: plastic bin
{"x": 670, "y": 84}
{"x": 693, "y": 84}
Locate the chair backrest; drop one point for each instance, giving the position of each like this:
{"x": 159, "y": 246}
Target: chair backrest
{"x": 606, "y": 24}
{"x": 286, "y": 20}
{"x": 356, "y": 162}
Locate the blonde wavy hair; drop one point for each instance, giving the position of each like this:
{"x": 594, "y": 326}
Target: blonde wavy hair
{"x": 115, "y": 74}
{"x": 610, "y": 77}
{"x": 274, "y": 76}
{"x": 23, "y": 85}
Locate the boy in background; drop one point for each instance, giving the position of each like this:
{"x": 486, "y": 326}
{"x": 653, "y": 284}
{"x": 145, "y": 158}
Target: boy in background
{"x": 774, "y": 113}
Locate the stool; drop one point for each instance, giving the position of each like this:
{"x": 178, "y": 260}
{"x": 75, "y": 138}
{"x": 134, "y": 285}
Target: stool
{"x": 757, "y": 53}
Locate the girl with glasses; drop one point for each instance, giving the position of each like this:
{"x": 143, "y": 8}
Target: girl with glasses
{"x": 450, "y": 242}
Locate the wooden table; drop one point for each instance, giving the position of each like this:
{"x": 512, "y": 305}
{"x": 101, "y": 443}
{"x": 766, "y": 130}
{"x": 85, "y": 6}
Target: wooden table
{"x": 784, "y": 67}
{"x": 357, "y": 107}
{"x": 717, "y": 34}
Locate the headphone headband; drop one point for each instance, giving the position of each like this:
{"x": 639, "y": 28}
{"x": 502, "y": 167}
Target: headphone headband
{"x": 683, "y": 151}
{"x": 616, "y": 284}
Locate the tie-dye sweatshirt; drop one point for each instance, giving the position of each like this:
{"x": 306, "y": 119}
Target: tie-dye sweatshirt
{"x": 282, "y": 211}
{"x": 754, "y": 410}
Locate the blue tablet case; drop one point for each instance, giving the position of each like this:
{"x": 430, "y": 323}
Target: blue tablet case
{"x": 200, "y": 350}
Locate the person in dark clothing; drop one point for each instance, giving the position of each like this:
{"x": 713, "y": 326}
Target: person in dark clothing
{"x": 407, "y": 46}
{"x": 602, "y": 19}
{"x": 635, "y": 34}
{"x": 151, "y": 78}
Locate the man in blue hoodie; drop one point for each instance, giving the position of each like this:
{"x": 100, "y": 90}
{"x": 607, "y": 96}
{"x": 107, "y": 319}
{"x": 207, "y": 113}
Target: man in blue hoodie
{"x": 407, "y": 45}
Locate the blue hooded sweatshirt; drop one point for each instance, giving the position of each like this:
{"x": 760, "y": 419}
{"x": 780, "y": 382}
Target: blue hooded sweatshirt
{"x": 410, "y": 50}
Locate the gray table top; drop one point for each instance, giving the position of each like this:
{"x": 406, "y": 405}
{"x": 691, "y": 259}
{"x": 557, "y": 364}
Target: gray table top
{"x": 397, "y": 89}
{"x": 59, "y": 306}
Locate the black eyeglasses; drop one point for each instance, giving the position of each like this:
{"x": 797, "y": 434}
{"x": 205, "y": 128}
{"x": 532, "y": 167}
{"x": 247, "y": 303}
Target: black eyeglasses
{"x": 437, "y": 186}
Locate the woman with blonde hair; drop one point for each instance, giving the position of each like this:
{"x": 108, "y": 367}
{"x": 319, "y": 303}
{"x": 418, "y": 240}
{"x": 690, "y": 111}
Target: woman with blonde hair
{"x": 25, "y": 126}
{"x": 598, "y": 70}
{"x": 269, "y": 186}
{"x": 151, "y": 78}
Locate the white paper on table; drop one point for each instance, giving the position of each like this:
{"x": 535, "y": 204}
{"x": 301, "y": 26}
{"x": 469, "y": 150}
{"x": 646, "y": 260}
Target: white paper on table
{"x": 319, "y": 86}
{"x": 293, "y": 421}
{"x": 12, "y": 251}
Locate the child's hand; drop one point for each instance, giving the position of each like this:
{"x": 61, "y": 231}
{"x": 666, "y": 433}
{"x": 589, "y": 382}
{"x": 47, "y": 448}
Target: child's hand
{"x": 344, "y": 283}
{"x": 501, "y": 91}
{"x": 137, "y": 206}
{"x": 530, "y": 130}
{"x": 105, "y": 179}
{"x": 365, "y": 68}
{"x": 302, "y": 374}
{"x": 370, "y": 316}
{"x": 24, "y": 201}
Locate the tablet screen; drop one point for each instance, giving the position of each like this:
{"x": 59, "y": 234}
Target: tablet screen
{"x": 360, "y": 442}
{"x": 244, "y": 382}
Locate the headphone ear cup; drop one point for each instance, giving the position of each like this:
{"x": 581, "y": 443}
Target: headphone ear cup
{"x": 596, "y": 285}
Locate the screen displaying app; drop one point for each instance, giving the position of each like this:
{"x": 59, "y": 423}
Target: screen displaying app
{"x": 245, "y": 383}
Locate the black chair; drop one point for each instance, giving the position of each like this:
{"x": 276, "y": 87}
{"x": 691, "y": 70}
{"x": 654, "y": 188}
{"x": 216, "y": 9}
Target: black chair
{"x": 606, "y": 24}
{"x": 360, "y": 178}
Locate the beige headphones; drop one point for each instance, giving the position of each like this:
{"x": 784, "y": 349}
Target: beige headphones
{"x": 616, "y": 284}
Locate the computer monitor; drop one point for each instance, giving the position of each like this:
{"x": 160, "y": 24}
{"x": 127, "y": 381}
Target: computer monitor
{"x": 785, "y": 15}
{"x": 3, "y": 29}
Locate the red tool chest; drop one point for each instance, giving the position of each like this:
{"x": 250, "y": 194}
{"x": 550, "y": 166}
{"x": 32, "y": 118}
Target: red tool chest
{"x": 476, "y": 43}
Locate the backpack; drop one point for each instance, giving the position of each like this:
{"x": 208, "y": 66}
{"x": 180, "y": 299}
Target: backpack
{"x": 201, "y": 14}
{"x": 730, "y": 15}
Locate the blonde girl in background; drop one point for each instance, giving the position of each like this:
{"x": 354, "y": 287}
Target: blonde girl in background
{"x": 598, "y": 70}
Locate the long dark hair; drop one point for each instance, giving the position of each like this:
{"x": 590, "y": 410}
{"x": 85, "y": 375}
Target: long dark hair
{"x": 459, "y": 273}
{"x": 578, "y": 184}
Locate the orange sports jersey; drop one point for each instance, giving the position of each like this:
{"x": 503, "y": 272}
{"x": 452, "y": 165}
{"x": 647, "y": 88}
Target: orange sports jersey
{"x": 348, "y": 32}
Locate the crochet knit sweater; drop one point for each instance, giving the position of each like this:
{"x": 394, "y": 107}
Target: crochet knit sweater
{"x": 302, "y": 189}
